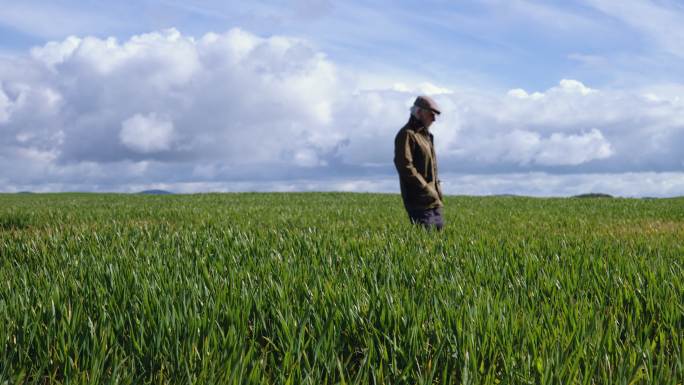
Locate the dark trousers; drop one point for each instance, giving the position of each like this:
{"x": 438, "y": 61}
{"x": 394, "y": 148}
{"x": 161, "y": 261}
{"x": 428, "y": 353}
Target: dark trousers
{"x": 430, "y": 218}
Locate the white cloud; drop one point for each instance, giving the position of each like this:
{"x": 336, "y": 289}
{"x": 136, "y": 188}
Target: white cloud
{"x": 522, "y": 94}
{"x": 561, "y": 149}
{"x": 567, "y": 125}
{"x": 234, "y": 97}
{"x": 147, "y": 133}
{"x": 565, "y": 86}
{"x": 570, "y": 85}
{"x": 165, "y": 58}
{"x": 528, "y": 148}
{"x": 55, "y": 52}
{"x": 163, "y": 108}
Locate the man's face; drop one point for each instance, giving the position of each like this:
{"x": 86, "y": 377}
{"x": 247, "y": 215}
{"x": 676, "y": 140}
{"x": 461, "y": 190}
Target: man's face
{"x": 426, "y": 116}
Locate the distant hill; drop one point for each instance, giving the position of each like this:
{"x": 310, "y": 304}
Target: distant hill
{"x": 156, "y": 192}
{"x": 593, "y": 195}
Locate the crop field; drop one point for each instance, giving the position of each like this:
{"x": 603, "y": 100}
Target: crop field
{"x": 338, "y": 288}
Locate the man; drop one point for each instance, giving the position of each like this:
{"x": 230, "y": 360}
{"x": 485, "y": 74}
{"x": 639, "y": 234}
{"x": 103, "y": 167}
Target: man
{"x": 414, "y": 157}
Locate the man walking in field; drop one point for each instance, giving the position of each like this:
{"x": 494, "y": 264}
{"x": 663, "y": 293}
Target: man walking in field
{"x": 416, "y": 162}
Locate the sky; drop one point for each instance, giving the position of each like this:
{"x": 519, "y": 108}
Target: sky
{"x": 539, "y": 98}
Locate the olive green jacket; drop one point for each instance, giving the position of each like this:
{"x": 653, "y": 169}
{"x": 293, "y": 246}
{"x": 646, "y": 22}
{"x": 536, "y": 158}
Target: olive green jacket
{"x": 416, "y": 163}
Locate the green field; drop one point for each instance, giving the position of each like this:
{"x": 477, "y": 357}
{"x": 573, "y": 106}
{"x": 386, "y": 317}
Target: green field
{"x": 325, "y": 288}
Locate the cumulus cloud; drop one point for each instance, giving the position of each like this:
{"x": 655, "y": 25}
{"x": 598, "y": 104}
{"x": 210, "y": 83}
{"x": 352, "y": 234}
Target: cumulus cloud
{"x": 234, "y": 97}
{"x": 146, "y": 133}
{"x": 574, "y": 86}
{"x": 530, "y": 148}
{"x": 56, "y": 52}
{"x": 567, "y": 125}
{"x": 163, "y": 108}
{"x": 522, "y": 94}
{"x": 573, "y": 150}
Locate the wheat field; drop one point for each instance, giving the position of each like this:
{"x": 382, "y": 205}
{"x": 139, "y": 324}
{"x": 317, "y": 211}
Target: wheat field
{"x": 338, "y": 288}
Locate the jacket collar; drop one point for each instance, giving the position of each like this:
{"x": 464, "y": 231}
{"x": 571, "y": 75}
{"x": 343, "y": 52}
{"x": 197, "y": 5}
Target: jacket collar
{"x": 416, "y": 125}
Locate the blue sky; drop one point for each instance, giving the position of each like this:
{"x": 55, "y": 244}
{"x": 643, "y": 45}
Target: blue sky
{"x": 540, "y": 97}
{"x": 528, "y": 44}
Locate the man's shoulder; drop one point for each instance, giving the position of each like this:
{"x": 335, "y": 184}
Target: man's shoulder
{"x": 406, "y": 130}
{"x": 403, "y": 134}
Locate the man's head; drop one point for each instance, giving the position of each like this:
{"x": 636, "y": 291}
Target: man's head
{"x": 425, "y": 109}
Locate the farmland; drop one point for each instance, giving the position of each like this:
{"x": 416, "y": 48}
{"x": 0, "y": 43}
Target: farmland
{"x": 325, "y": 288}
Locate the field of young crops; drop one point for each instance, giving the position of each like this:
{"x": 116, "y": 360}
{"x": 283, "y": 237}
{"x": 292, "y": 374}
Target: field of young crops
{"x": 326, "y": 288}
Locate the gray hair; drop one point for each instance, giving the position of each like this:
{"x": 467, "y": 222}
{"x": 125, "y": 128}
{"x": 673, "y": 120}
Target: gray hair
{"x": 414, "y": 111}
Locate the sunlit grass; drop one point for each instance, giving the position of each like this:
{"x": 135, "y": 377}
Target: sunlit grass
{"x": 339, "y": 288}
